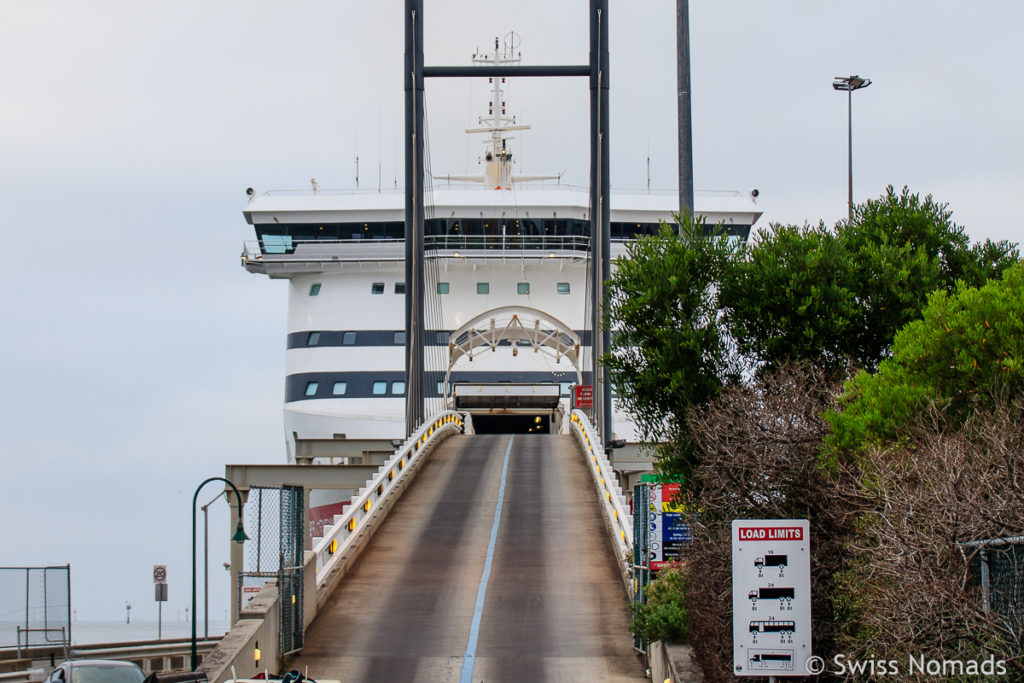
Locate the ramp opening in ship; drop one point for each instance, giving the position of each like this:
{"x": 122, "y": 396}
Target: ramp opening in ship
{"x": 511, "y": 423}
{"x": 506, "y": 408}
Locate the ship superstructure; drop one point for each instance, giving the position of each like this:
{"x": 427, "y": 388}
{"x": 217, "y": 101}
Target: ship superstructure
{"x": 494, "y": 253}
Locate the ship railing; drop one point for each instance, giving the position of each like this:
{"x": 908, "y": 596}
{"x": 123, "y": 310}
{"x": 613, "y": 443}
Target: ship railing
{"x": 286, "y": 249}
{"x": 342, "y": 540}
{"x": 618, "y": 521}
{"x": 540, "y": 243}
{"x": 322, "y": 250}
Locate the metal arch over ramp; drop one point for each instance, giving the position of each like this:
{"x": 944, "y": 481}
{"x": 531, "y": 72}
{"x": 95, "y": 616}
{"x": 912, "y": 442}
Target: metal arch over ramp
{"x": 519, "y": 325}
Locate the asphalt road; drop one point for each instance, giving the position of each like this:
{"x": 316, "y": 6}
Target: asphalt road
{"x": 555, "y": 608}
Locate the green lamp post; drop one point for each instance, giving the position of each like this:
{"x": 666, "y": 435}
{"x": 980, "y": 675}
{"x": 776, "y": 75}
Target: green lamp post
{"x": 238, "y": 537}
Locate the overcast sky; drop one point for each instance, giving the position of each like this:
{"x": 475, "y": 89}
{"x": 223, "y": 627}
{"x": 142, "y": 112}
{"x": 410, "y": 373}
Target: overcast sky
{"x": 139, "y": 357}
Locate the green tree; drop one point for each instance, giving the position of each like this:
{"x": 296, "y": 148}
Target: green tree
{"x": 790, "y": 298}
{"x": 833, "y": 297}
{"x": 901, "y": 249}
{"x": 668, "y": 351}
{"x": 967, "y": 349}
{"x": 663, "y": 616}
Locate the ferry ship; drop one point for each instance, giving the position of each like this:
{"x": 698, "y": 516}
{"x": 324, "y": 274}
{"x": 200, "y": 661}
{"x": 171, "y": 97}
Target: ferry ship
{"x": 507, "y": 297}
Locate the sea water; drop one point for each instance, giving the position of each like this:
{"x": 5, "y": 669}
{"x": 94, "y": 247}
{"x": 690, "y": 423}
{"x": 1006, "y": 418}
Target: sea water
{"x": 92, "y": 632}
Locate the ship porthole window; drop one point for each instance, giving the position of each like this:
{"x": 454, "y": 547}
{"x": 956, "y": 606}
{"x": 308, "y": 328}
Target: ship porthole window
{"x": 377, "y": 288}
{"x": 311, "y": 388}
{"x": 442, "y": 288}
{"x": 348, "y": 339}
{"x": 313, "y": 339}
{"x": 314, "y": 289}
{"x": 522, "y": 287}
{"x": 483, "y": 288}
{"x": 399, "y": 288}
{"x": 400, "y": 337}
{"x": 397, "y": 388}
{"x": 562, "y": 287}
{"x": 339, "y": 388}
{"x": 380, "y": 388}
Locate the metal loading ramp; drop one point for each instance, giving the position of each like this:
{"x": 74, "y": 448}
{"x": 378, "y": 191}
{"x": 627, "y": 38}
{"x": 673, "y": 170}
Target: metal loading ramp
{"x": 553, "y": 606}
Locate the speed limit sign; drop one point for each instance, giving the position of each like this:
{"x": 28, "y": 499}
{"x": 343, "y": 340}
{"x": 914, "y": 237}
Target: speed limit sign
{"x": 159, "y": 573}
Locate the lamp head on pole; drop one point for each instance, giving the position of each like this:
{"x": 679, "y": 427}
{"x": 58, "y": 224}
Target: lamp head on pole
{"x": 848, "y": 83}
{"x": 239, "y": 536}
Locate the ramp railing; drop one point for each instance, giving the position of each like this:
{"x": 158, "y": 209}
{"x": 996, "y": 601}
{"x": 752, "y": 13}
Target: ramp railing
{"x": 617, "y": 519}
{"x": 391, "y": 478}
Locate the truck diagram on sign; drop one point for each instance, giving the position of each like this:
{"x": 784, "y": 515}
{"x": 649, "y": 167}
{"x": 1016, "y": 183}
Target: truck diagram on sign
{"x": 783, "y": 595}
{"x": 771, "y": 659}
{"x": 768, "y": 560}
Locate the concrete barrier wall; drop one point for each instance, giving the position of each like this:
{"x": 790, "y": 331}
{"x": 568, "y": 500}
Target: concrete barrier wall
{"x": 257, "y": 629}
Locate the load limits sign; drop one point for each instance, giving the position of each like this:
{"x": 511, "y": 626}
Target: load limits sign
{"x": 771, "y": 597}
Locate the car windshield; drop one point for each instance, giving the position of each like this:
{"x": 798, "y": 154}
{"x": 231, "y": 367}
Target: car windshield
{"x": 106, "y": 674}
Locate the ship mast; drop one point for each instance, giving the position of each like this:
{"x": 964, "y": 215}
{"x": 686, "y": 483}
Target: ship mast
{"x": 498, "y": 158}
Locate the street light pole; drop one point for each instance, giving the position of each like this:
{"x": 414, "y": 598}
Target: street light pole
{"x": 239, "y": 537}
{"x": 206, "y": 564}
{"x": 849, "y": 84}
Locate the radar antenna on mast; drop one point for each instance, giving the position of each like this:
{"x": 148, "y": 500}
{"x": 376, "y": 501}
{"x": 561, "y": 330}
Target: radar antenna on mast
{"x": 498, "y": 156}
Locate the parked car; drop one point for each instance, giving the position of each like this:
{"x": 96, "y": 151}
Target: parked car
{"x": 96, "y": 671}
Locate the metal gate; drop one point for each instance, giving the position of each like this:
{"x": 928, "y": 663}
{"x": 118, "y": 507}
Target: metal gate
{"x": 275, "y": 514}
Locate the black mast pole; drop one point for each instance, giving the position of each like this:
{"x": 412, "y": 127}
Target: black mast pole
{"x": 413, "y": 83}
{"x": 685, "y": 122}
{"x": 600, "y": 230}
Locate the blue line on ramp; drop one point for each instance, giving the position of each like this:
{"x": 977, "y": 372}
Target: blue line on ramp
{"x": 469, "y": 659}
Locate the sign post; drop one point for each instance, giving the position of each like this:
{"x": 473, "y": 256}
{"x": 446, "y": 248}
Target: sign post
{"x": 771, "y": 597}
{"x": 160, "y": 583}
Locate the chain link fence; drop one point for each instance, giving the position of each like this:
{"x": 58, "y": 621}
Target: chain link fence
{"x": 274, "y": 551}
{"x": 998, "y": 566}
{"x": 35, "y": 607}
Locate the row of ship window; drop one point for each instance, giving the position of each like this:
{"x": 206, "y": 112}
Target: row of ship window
{"x": 395, "y": 388}
{"x": 445, "y": 288}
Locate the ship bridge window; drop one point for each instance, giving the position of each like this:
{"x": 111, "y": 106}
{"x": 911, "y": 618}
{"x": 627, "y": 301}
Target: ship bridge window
{"x": 314, "y": 289}
{"x": 399, "y": 288}
{"x": 483, "y": 288}
{"x": 562, "y": 287}
{"x": 377, "y": 288}
{"x": 565, "y": 388}
{"x": 380, "y": 388}
{"x": 440, "y": 388}
{"x": 277, "y": 244}
{"x": 443, "y": 288}
{"x": 339, "y": 388}
{"x": 348, "y": 339}
{"x": 400, "y": 337}
{"x": 397, "y": 388}
{"x": 311, "y": 388}
{"x": 313, "y": 339}
{"x": 522, "y": 288}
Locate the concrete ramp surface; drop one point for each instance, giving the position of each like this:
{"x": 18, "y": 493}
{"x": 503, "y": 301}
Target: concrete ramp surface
{"x": 443, "y": 594}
